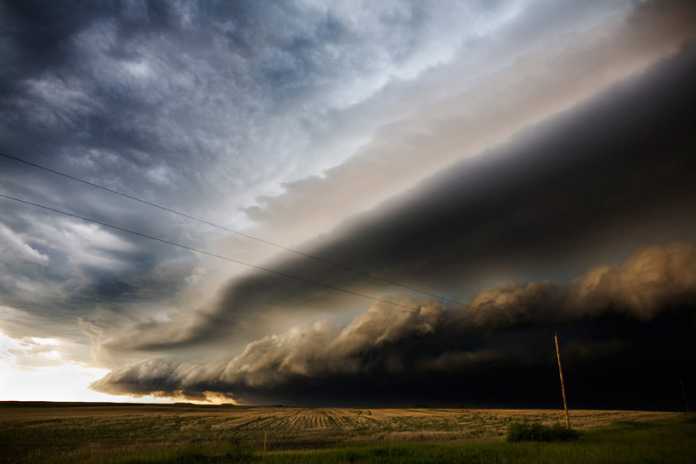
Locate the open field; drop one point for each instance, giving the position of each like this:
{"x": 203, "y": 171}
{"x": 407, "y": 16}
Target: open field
{"x": 164, "y": 433}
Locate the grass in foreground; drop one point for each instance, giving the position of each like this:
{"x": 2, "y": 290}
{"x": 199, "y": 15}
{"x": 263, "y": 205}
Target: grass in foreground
{"x": 672, "y": 441}
{"x": 526, "y": 431}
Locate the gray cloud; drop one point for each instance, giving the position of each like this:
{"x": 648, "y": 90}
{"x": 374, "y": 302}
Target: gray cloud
{"x": 520, "y": 212}
{"x": 461, "y": 121}
{"x": 203, "y": 107}
{"x": 425, "y": 338}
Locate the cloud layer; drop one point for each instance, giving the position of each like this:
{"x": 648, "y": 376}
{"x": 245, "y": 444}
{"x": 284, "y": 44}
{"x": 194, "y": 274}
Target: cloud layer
{"x": 202, "y": 107}
{"x": 590, "y": 184}
{"x": 398, "y": 344}
{"x": 454, "y": 149}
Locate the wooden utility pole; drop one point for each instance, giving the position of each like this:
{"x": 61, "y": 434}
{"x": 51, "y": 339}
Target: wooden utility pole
{"x": 560, "y": 375}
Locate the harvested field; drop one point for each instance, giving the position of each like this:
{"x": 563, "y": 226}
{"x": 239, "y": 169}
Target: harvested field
{"x": 285, "y": 427}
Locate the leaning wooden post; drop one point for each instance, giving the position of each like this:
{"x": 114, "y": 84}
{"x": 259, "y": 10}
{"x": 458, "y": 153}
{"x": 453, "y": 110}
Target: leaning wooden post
{"x": 265, "y": 440}
{"x": 560, "y": 374}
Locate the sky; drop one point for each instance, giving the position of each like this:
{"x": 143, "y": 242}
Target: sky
{"x": 394, "y": 202}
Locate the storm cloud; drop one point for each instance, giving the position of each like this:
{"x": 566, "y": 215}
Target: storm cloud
{"x": 467, "y": 179}
{"x": 590, "y": 182}
{"x": 206, "y": 107}
{"x": 508, "y": 328}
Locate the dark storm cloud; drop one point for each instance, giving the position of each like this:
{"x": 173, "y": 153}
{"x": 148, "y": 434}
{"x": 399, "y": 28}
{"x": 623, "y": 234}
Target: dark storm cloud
{"x": 591, "y": 184}
{"x": 395, "y": 354}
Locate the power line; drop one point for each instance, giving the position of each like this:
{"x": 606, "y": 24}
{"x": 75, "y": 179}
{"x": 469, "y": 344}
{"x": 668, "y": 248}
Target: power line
{"x": 227, "y": 229}
{"x": 207, "y": 253}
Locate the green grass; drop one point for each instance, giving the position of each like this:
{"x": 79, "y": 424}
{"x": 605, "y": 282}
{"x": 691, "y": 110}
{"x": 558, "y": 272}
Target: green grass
{"x": 667, "y": 441}
{"x": 526, "y": 431}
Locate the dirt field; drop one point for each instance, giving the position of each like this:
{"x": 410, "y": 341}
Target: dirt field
{"x": 282, "y": 427}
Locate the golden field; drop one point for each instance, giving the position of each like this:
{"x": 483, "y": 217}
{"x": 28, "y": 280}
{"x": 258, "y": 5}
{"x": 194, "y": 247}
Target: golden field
{"x": 288, "y": 427}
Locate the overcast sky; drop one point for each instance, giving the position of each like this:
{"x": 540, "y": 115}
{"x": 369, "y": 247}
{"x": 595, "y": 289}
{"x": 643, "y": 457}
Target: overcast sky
{"x": 472, "y": 175}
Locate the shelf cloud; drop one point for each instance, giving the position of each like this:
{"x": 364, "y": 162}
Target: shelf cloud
{"x": 410, "y": 344}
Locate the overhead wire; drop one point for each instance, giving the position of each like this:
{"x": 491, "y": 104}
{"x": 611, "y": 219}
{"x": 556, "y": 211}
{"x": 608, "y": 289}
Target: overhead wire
{"x": 206, "y": 253}
{"x": 191, "y": 217}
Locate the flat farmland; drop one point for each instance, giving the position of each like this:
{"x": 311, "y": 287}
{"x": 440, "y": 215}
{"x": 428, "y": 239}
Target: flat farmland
{"x": 45, "y": 432}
